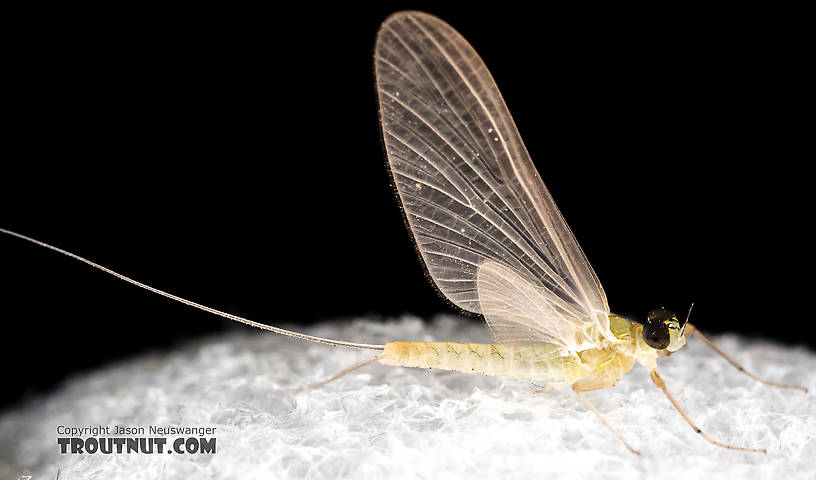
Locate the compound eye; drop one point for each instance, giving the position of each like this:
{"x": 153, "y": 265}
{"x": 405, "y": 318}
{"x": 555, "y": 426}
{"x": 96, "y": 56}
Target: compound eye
{"x": 659, "y": 315}
{"x": 656, "y": 333}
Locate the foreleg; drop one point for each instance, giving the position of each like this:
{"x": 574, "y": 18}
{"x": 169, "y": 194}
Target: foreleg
{"x": 737, "y": 365}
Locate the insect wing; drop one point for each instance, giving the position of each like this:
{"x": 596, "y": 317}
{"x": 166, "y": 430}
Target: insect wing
{"x": 468, "y": 188}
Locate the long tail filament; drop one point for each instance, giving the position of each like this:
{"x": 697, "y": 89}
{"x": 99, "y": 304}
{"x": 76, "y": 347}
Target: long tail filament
{"x": 199, "y": 306}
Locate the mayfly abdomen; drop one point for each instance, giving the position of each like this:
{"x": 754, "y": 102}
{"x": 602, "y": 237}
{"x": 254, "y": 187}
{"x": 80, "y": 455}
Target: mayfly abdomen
{"x": 524, "y": 361}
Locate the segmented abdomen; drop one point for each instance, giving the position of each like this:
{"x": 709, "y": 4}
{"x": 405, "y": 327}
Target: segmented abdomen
{"x": 533, "y": 361}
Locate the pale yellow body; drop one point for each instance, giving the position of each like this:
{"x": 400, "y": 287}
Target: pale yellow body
{"x": 536, "y": 362}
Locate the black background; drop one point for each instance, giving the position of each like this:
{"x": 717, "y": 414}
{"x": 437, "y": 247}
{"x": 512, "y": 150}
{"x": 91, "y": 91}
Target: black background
{"x": 234, "y": 158}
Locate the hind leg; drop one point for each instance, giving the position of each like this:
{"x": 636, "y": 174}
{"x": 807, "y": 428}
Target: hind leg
{"x": 550, "y": 386}
{"x": 339, "y": 375}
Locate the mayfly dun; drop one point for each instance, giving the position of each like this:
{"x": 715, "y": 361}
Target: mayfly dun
{"x": 489, "y": 234}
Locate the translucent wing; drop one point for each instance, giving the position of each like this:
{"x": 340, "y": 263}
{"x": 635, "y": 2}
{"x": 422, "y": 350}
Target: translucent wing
{"x": 472, "y": 197}
{"x": 516, "y": 310}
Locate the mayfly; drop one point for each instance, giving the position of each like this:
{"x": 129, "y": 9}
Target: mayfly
{"x": 489, "y": 233}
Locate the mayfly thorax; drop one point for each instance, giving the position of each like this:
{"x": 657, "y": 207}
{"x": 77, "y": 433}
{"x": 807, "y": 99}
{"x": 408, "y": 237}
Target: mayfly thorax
{"x": 489, "y": 233}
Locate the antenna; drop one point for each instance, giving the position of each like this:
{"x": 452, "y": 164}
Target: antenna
{"x": 199, "y": 306}
{"x": 683, "y": 327}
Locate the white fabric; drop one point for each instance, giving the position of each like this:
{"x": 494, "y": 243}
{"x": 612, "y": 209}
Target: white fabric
{"x": 387, "y": 422}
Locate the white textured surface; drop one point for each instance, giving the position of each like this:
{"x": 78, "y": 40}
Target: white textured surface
{"x": 394, "y": 422}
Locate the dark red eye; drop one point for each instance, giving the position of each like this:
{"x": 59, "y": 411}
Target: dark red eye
{"x": 655, "y": 331}
{"x": 656, "y": 334}
{"x": 659, "y": 314}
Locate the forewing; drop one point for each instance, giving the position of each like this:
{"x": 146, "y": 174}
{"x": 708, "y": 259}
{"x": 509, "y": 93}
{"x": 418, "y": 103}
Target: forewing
{"x": 467, "y": 185}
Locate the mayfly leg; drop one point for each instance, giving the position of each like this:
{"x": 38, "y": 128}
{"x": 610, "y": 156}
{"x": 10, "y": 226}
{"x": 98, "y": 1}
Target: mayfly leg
{"x": 587, "y": 386}
{"x": 551, "y": 386}
{"x": 662, "y": 386}
{"x": 736, "y": 365}
{"x": 546, "y": 388}
{"x": 596, "y": 384}
{"x": 340, "y": 374}
{"x": 603, "y": 419}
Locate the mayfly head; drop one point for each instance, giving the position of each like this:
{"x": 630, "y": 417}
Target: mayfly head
{"x": 663, "y": 331}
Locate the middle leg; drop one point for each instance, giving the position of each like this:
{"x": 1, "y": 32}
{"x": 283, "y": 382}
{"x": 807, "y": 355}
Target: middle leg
{"x": 662, "y": 386}
{"x": 596, "y": 384}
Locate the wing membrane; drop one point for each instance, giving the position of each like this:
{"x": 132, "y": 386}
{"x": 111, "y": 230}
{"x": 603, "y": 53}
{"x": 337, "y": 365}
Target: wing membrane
{"x": 468, "y": 188}
{"x": 518, "y": 311}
